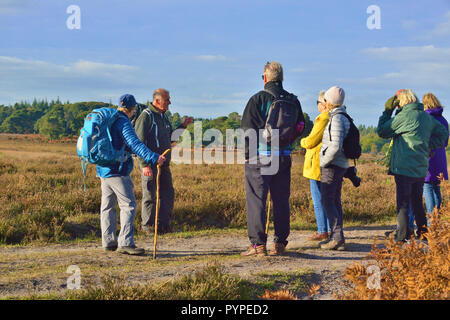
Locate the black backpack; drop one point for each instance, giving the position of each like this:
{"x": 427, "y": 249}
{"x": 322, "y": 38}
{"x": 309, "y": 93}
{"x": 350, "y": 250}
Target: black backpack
{"x": 351, "y": 145}
{"x": 139, "y": 108}
{"x": 283, "y": 114}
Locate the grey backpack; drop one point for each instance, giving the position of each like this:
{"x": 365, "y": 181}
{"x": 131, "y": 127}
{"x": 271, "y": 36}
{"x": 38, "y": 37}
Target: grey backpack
{"x": 283, "y": 114}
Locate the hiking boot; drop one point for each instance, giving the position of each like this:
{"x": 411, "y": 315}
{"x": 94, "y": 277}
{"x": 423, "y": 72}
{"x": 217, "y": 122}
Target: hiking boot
{"x": 333, "y": 245}
{"x": 278, "y": 249}
{"x": 133, "y": 250}
{"x": 110, "y": 248}
{"x": 255, "y": 250}
{"x": 390, "y": 234}
{"x": 319, "y": 236}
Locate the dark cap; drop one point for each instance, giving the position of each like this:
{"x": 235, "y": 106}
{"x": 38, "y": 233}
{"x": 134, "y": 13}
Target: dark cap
{"x": 127, "y": 101}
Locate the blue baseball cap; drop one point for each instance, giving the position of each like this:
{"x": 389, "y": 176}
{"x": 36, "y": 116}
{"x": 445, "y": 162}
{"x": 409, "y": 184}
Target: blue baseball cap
{"x": 127, "y": 101}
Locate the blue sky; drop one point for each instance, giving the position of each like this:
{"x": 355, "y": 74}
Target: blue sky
{"x": 210, "y": 54}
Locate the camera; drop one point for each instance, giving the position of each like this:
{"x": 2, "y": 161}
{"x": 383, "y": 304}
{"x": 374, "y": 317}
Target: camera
{"x": 351, "y": 175}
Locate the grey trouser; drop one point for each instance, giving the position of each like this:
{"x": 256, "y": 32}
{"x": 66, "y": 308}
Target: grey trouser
{"x": 117, "y": 190}
{"x": 256, "y": 189}
{"x": 330, "y": 189}
{"x": 166, "y": 196}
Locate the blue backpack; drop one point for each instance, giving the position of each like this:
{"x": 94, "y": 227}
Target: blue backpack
{"x": 94, "y": 144}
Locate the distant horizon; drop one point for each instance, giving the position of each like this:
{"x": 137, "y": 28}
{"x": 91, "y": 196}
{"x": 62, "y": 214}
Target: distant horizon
{"x": 210, "y": 54}
{"x": 170, "y": 110}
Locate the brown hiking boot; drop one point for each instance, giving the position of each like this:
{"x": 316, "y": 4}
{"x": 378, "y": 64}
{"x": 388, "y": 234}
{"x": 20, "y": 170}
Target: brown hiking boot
{"x": 319, "y": 236}
{"x": 255, "y": 250}
{"x": 278, "y": 249}
{"x": 333, "y": 245}
{"x": 132, "y": 250}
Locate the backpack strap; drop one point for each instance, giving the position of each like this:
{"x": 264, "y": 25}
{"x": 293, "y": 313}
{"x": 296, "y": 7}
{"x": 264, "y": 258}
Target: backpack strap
{"x": 343, "y": 113}
{"x": 150, "y": 114}
{"x": 271, "y": 93}
{"x": 83, "y": 167}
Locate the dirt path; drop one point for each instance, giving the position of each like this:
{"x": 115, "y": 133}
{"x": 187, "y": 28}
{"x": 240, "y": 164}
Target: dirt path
{"x": 40, "y": 269}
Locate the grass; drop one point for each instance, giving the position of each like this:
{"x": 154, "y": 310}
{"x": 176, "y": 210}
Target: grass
{"x": 43, "y": 199}
{"x": 208, "y": 283}
{"x": 295, "y": 281}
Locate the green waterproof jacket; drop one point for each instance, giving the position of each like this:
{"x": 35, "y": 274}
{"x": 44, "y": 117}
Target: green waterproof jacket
{"x": 155, "y": 130}
{"x": 415, "y": 134}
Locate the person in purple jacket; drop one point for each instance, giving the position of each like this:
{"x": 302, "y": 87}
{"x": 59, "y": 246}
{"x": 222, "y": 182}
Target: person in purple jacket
{"x": 437, "y": 163}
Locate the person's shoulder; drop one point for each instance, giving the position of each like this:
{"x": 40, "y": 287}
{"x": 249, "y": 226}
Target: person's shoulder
{"x": 262, "y": 94}
{"x": 144, "y": 114}
{"x": 341, "y": 118}
{"x": 323, "y": 116}
{"x": 122, "y": 120}
{"x": 340, "y": 114}
{"x": 257, "y": 98}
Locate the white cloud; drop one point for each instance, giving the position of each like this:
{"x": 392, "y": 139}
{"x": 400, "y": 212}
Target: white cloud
{"x": 37, "y": 78}
{"x": 211, "y": 58}
{"x": 421, "y": 67}
{"x": 11, "y": 6}
{"x": 443, "y": 28}
{"x": 410, "y": 54}
{"x": 82, "y": 67}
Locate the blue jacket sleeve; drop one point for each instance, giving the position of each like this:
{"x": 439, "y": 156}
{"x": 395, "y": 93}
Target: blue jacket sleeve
{"x": 136, "y": 145}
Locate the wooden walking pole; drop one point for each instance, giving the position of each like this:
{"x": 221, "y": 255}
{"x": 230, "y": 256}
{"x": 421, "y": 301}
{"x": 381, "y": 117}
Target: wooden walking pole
{"x": 268, "y": 214}
{"x": 157, "y": 205}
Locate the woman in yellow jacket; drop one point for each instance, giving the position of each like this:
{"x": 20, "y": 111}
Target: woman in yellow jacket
{"x": 311, "y": 167}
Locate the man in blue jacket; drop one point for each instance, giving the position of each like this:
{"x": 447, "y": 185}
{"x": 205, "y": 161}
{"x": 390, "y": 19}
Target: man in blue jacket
{"x": 116, "y": 183}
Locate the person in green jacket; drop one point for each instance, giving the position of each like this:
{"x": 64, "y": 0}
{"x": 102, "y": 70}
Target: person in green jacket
{"x": 155, "y": 130}
{"x": 415, "y": 135}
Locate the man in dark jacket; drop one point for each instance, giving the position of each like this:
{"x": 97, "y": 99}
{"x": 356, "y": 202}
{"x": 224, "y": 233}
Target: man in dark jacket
{"x": 155, "y": 130}
{"x": 257, "y": 182}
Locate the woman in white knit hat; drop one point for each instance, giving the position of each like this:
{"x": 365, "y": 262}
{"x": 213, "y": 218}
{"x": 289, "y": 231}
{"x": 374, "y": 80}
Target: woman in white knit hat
{"x": 333, "y": 165}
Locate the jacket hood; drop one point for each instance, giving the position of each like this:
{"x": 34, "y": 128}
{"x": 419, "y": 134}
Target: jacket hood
{"x": 413, "y": 106}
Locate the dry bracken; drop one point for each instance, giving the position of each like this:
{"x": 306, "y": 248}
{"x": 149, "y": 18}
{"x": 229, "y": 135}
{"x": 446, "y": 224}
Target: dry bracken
{"x": 278, "y": 295}
{"x": 417, "y": 270}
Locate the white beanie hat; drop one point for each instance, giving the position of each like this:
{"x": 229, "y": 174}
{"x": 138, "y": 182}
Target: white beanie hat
{"x": 335, "y": 96}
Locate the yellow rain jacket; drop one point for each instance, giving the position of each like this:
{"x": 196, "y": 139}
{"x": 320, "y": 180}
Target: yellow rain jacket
{"x": 312, "y": 144}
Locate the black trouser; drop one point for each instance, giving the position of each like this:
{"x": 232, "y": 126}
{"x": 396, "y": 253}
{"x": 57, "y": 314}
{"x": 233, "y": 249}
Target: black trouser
{"x": 330, "y": 190}
{"x": 256, "y": 188}
{"x": 409, "y": 190}
{"x": 166, "y": 196}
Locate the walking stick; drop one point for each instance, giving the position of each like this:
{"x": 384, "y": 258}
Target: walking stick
{"x": 157, "y": 205}
{"x": 268, "y": 214}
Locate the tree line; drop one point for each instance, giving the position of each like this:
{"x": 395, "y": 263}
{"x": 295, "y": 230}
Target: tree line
{"x": 56, "y": 119}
